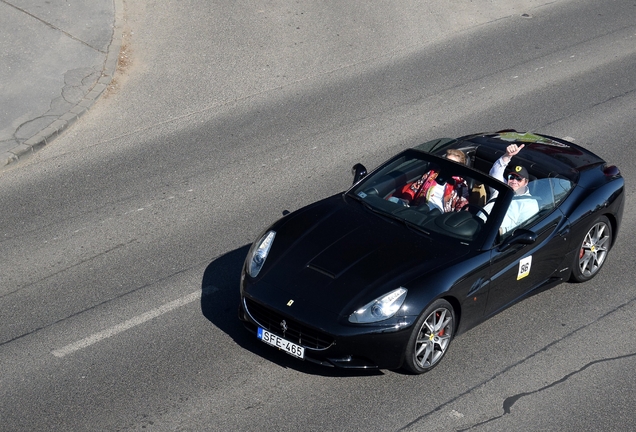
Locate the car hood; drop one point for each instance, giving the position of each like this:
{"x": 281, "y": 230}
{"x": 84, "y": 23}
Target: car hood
{"x": 336, "y": 255}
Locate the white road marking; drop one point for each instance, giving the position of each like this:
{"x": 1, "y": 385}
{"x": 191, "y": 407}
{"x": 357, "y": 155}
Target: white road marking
{"x": 126, "y": 325}
{"x": 456, "y": 414}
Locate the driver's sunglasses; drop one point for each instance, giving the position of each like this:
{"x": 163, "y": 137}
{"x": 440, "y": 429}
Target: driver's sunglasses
{"x": 514, "y": 177}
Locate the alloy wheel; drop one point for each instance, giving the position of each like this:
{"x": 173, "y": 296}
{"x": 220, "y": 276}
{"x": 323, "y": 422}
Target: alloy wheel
{"x": 433, "y": 338}
{"x": 594, "y": 249}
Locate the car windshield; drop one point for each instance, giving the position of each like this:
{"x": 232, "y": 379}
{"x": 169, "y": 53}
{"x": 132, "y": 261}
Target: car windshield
{"x": 435, "y": 195}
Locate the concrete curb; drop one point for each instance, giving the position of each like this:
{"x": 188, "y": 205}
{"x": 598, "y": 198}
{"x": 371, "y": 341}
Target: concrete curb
{"x": 55, "y": 129}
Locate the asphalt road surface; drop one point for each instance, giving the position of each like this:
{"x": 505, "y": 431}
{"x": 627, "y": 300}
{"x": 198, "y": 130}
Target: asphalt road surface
{"x": 122, "y": 241}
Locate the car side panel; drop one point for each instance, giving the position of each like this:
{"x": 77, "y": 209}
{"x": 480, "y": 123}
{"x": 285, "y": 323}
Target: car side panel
{"x": 464, "y": 284}
{"x": 586, "y": 204}
{"x": 519, "y": 269}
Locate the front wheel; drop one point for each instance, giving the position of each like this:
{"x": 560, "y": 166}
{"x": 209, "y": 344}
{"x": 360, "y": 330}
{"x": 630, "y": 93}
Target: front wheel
{"x": 593, "y": 249}
{"x": 431, "y": 337}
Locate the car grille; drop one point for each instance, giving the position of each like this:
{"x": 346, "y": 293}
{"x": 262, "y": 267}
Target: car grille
{"x": 296, "y": 332}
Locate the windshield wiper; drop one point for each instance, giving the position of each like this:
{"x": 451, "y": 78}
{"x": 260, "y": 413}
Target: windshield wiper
{"x": 413, "y": 225}
{"x": 409, "y": 224}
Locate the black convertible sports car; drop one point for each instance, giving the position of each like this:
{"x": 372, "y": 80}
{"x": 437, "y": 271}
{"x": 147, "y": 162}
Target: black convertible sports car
{"x": 367, "y": 279}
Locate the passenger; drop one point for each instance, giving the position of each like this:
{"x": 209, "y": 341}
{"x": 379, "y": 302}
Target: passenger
{"x": 523, "y": 206}
{"x": 446, "y": 196}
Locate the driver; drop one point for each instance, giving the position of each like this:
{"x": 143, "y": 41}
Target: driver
{"x": 523, "y": 206}
{"x": 446, "y": 196}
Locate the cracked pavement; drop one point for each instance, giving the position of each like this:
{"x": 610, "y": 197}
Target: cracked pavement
{"x": 494, "y": 405}
{"x": 57, "y": 57}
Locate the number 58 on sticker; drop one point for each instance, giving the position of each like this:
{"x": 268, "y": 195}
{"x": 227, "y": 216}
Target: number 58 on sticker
{"x": 524, "y": 267}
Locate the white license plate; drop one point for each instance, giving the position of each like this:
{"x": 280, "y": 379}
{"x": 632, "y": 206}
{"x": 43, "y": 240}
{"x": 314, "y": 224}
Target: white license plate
{"x": 280, "y": 343}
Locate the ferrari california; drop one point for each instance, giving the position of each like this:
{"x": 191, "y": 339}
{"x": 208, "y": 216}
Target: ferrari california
{"x": 384, "y": 275}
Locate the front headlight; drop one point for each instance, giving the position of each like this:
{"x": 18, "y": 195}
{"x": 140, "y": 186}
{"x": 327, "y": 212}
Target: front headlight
{"x": 381, "y": 308}
{"x": 258, "y": 253}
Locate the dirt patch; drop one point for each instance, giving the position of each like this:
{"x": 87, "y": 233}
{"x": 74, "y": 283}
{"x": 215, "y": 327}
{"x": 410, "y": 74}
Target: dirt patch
{"x": 125, "y": 58}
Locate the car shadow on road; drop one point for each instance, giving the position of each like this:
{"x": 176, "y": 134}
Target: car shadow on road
{"x": 219, "y": 304}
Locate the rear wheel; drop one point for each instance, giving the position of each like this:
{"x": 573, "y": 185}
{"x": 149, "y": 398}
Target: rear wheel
{"x": 431, "y": 337}
{"x": 593, "y": 249}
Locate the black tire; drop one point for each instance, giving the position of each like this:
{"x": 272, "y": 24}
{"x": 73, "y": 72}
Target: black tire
{"x": 592, "y": 251}
{"x": 431, "y": 337}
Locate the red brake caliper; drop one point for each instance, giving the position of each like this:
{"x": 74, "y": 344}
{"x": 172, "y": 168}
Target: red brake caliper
{"x": 441, "y": 332}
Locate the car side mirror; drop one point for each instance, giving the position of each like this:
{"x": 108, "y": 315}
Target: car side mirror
{"x": 359, "y": 172}
{"x": 519, "y": 237}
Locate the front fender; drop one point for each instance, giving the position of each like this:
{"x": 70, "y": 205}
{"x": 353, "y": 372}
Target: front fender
{"x": 464, "y": 285}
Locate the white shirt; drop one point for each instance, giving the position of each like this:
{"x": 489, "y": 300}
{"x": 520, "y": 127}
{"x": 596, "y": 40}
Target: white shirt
{"x": 522, "y": 207}
{"x": 497, "y": 171}
{"x": 435, "y": 196}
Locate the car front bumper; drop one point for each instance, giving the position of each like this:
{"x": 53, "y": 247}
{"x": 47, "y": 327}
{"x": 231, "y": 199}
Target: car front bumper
{"x": 331, "y": 343}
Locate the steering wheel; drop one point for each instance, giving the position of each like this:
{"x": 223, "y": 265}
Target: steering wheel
{"x": 475, "y": 209}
